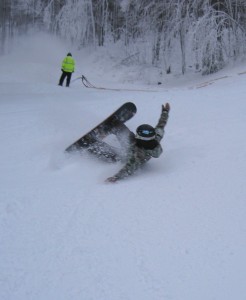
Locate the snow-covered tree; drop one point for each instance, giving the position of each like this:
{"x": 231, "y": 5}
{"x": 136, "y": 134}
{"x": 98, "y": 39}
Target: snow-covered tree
{"x": 170, "y": 34}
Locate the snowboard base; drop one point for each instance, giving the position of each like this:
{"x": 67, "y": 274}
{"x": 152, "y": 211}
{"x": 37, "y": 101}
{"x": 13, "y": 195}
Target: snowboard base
{"x": 95, "y": 136}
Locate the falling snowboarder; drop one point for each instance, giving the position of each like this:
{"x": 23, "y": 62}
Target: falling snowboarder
{"x": 136, "y": 149}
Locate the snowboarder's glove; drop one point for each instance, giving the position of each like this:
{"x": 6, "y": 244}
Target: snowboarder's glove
{"x": 112, "y": 179}
{"x": 166, "y": 107}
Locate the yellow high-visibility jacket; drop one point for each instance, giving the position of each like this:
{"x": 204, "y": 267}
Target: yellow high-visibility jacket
{"x": 68, "y": 64}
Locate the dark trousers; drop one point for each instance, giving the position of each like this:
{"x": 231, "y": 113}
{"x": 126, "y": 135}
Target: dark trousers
{"x": 64, "y": 75}
{"x": 108, "y": 152}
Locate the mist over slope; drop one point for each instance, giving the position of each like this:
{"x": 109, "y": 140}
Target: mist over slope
{"x": 175, "y": 231}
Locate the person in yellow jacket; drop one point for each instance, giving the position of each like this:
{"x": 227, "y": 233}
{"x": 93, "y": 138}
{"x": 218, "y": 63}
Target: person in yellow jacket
{"x": 68, "y": 67}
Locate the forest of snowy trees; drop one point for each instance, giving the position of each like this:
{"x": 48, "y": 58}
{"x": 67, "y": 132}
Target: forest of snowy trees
{"x": 204, "y": 35}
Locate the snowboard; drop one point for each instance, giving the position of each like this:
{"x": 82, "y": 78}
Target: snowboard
{"x": 92, "y": 140}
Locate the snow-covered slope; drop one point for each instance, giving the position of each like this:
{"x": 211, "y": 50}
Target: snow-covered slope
{"x": 175, "y": 231}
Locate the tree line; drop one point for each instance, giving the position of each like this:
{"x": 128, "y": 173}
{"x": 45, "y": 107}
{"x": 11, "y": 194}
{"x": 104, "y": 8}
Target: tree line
{"x": 204, "y": 35}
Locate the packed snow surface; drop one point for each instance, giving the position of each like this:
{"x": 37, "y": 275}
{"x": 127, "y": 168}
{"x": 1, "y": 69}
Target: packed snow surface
{"x": 174, "y": 231}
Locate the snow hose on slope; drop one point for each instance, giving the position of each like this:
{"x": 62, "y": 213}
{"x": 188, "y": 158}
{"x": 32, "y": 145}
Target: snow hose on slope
{"x": 87, "y": 84}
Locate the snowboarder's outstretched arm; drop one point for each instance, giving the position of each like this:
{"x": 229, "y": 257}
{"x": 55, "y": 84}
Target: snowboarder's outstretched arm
{"x": 162, "y": 121}
{"x": 131, "y": 166}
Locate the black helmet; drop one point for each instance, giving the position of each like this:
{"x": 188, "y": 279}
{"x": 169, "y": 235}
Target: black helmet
{"x": 145, "y": 132}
